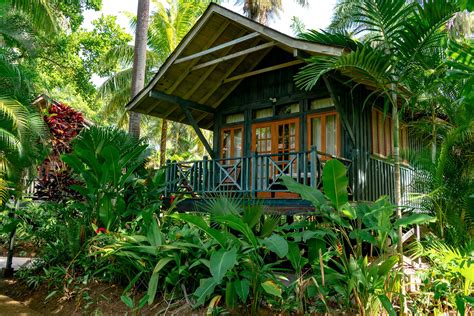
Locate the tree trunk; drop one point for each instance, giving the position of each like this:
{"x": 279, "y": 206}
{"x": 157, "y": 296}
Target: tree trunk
{"x": 433, "y": 135}
{"x": 398, "y": 194}
{"x": 163, "y": 140}
{"x": 8, "y": 273}
{"x": 139, "y": 61}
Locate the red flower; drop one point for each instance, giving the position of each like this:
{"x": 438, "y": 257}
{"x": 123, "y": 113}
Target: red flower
{"x": 101, "y": 230}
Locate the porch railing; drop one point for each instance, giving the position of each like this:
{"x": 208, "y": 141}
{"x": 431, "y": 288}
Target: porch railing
{"x": 380, "y": 181}
{"x": 247, "y": 176}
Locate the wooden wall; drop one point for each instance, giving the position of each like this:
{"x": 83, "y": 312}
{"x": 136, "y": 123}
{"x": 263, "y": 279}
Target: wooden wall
{"x": 369, "y": 177}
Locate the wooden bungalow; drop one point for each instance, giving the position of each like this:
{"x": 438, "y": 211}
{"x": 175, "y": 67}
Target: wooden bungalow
{"x": 234, "y": 76}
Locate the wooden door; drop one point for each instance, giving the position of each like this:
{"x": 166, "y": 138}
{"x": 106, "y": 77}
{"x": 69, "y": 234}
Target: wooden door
{"x": 277, "y": 139}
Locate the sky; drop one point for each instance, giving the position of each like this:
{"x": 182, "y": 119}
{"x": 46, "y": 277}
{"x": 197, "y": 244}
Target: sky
{"x": 316, "y": 16}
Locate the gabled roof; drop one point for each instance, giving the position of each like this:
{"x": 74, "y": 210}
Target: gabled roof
{"x": 220, "y": 50}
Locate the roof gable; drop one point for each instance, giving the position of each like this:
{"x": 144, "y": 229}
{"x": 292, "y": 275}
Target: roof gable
{"x": 222, "y": 49}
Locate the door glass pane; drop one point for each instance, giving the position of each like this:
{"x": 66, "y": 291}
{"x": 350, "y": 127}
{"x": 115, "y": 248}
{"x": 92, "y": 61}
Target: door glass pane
{"x": 226, "y": 144}
{"x": 263, "y": 141}
{"x": 238, "y": 142}
{"x": 316, "y": 133}
{"x": 331, "y": 133}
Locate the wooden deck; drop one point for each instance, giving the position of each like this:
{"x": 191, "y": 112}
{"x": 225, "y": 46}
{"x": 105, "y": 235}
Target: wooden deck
{"x": 258, "y": 177}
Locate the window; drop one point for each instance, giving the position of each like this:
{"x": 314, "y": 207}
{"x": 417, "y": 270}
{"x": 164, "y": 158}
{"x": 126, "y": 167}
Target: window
{"x": 234, "y": 118}
{"x": 287, "y": 109}
{"x": 321, "y": 104}
{"x": 231, "y": 145}
{"x": 263, "y": 113}
{"x": 382, "y": 130}
{"x": 325, "y": 132}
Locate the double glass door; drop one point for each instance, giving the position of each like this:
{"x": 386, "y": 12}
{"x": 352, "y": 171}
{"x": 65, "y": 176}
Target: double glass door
{"x": 276, "y": 137}
{"x": 275, "y": 143}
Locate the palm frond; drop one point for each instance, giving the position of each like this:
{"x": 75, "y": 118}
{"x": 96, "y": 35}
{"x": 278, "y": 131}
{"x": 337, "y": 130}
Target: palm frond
{"x": 366, "y": 65}
{"x": 39, "y": 11}
{"x": 327, "y": 38}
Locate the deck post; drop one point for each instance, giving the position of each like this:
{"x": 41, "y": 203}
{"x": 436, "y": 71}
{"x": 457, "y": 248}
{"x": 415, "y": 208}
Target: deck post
{"x": 253, "y": 162}
{"x": 204, "y": 174}
{"x": 313, "y": 167}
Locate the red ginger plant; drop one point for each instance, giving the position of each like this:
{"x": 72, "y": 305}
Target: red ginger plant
{"x": 55, "y": 177}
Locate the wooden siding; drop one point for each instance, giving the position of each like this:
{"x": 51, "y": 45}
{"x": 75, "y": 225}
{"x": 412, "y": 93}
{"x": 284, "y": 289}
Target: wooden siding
{"x": 369, "y": 177}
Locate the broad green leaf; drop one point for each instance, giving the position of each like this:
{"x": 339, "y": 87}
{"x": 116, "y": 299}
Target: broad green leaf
{"x": 161, "y": 264}
{"x": 200, "y": 223}
{"x": 205, "y": 289}
{"x": 295, "y": 257}
{"x": 127, "y": 300}
{"x": 242, "y": 288}
{"x": 414, "y": 219}
{"x": 271, "y": 288}
{"x": 230, "y": 295}
{"x": 154, "y": 234}
{"x": 387, "y": 305}
{"x": 152, "y": 287}
{"x": 307, "y": 193}
{"x": 221, "y": 262}
{"x": 335, "y": 182}
{"x": 277, "y": 244}
{"x": 363, "y": 235}
{"x": 236, "y": 223}
{"x": 460, "y": 305}
{"x": 387, "y": 265}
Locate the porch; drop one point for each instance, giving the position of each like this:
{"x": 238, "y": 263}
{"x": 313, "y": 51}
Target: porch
{"x": 258, "y": 177}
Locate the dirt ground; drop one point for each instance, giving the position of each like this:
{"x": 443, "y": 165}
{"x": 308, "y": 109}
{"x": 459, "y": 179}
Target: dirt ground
{"x": 95, "y": 299}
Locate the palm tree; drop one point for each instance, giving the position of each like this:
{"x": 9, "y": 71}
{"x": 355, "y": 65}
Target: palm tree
{"x": 139, "y": 61}
{"x": 262, "y": 10}
{"x": 398, "y": 39}
{"x": 21, "y": 150}
{"x": 168, "y": 25}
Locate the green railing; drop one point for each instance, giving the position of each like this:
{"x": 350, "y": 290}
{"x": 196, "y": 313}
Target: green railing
{"x": 246, "y": 176}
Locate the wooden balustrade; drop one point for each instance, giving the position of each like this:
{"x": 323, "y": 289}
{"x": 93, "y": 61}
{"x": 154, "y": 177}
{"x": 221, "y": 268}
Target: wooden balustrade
{"x": 246, "y": 176}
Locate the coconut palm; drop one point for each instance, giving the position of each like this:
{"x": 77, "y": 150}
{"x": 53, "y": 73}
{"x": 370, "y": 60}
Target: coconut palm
{"x": 263, "y": 10}
{"x": 168, "y": 25}
{"x": 139, "y": 61}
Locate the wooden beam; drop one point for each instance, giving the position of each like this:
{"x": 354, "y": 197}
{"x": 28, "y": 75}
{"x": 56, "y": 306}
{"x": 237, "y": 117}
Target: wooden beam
{"x": 339, "y": 109}
{"x": 209, "y": 72}
{"x": 234, "y": 55}
{"x": 263, "y": 70}
{"x": 237, "y": 82}
{"x": 184, "y": 74}
{"x": 170, "y": 110}
{"x": 201, "y": 117}
{"x": 197, "y": 130}
{"x": 227, "y": 73}
{"x": 177, "y": 100}
{"x": 198, "y": 119}
{"x": 218, "y": 47}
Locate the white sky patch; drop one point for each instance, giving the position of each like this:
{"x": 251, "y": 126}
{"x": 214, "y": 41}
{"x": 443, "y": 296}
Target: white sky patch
{"x": 317, "y": 15}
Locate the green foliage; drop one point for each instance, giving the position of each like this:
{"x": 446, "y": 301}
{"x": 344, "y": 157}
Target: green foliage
{"x": 106, "y": 160}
